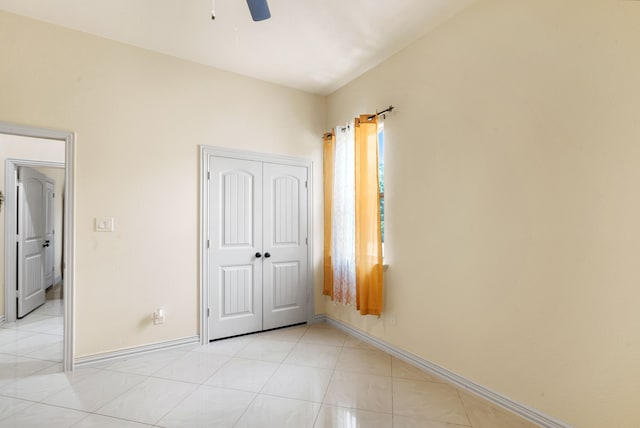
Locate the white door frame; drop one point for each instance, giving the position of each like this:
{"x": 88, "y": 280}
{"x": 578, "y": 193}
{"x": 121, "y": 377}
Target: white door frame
{"x": 206, "y": 152}
{"x": 11, "y": 166}
{"x": 68, "y": 268}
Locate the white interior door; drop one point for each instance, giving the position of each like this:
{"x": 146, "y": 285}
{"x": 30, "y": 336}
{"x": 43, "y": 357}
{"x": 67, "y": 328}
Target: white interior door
{"x": 235, "y": 239}
{"x": 49, "y": 243}
{"x": 285, "y": 290}
{"x": 31, "y": 240}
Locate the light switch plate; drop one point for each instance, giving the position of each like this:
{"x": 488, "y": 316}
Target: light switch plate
{"x": 104, "y": 224}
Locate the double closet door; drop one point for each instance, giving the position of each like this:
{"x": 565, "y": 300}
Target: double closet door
{"x": 257, "y": 253}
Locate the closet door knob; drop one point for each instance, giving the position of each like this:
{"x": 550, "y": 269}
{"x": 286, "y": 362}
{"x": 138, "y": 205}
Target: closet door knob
{"x": 258, "y": 255}
{"x": 267, "y": 255}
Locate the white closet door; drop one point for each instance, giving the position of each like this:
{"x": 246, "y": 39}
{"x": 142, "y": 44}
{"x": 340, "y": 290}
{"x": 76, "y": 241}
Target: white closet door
{"x": 235, "y": 272}
{"x": 285, "y": 290}
{"x": 31, "y": 240}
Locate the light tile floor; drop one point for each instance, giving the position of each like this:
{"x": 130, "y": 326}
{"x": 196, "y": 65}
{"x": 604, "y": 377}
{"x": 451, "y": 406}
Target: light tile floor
{"x": 38, "y": 336}
{"x": 306, "y": 376}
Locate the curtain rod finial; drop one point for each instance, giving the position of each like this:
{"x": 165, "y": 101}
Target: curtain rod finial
{"x": 381, "y": 113}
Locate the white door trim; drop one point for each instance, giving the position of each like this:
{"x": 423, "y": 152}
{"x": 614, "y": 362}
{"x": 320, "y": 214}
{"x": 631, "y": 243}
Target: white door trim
{"x": 206, "y": 152}
{"x": 69, "y": 224}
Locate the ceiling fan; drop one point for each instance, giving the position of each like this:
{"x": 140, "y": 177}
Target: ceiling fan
{"x": 259, "y": 9}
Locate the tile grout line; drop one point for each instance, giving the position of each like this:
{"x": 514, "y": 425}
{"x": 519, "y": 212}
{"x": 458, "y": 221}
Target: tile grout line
{"x": 333, "y": 373}
{"x": 192, "y": 392}
{"x": 119, "y": 395}
{"x": 464, "y": 406}
{"x": 268, "y": 380}
{"x": 111, "y": 417}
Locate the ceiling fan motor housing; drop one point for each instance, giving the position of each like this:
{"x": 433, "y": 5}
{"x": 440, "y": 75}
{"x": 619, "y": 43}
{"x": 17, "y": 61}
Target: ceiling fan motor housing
{"x": 259, "y": 9}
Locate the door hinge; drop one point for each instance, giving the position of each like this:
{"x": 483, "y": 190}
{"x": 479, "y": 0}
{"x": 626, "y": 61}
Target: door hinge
{"x": 208, "y": 312}
{"x": 208, "y": 175}
{"x": 18, "y": 294}
{"x": 306, "y": 184}
{"x": 306, "y": 241}
{"x": 208, "y": 244}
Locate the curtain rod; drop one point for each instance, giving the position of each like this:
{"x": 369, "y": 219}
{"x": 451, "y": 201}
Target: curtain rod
{"x": 381, "y": 113}
{"x": 378, "y": 113}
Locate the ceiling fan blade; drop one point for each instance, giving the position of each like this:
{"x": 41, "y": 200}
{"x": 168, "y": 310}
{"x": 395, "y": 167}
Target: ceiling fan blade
{"x": 259, "y": 9}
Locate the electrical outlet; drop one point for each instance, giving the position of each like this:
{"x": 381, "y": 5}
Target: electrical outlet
{"x": 159, "y": 316}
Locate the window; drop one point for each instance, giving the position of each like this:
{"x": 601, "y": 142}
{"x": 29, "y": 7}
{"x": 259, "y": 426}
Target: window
{"x": 353, "y": 261}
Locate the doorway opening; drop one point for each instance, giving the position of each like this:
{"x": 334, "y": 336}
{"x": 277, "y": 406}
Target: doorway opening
{"x": 38, "y": 254}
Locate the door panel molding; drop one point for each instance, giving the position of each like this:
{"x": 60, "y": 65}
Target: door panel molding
{"x": 206, "y": 153}
{"x": 69, "y": 225}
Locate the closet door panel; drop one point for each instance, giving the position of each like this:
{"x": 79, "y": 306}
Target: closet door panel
{"x": 235, "y": 273}
{"x": 285, "y": 290}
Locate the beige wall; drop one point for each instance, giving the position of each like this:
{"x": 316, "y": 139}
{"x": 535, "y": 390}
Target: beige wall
{"x": 139, "y": 118}
{"x": 512, "y": 177}
{"x": 17, "y": 147}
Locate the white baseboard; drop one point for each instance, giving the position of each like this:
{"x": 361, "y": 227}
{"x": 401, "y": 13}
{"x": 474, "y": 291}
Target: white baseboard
{"x": 320, "y": 318}
{"x": 137, "y": 350}
{"x": 493, "y": 397}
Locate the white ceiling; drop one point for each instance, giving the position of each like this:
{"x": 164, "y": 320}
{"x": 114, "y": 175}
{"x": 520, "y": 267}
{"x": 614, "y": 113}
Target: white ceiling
{"x": 316, "y": 46}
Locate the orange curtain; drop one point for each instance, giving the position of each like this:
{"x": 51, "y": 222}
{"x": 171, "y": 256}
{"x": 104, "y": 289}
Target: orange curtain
{"x": 369, "y": 284}
{"x": 329, "y": 147}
